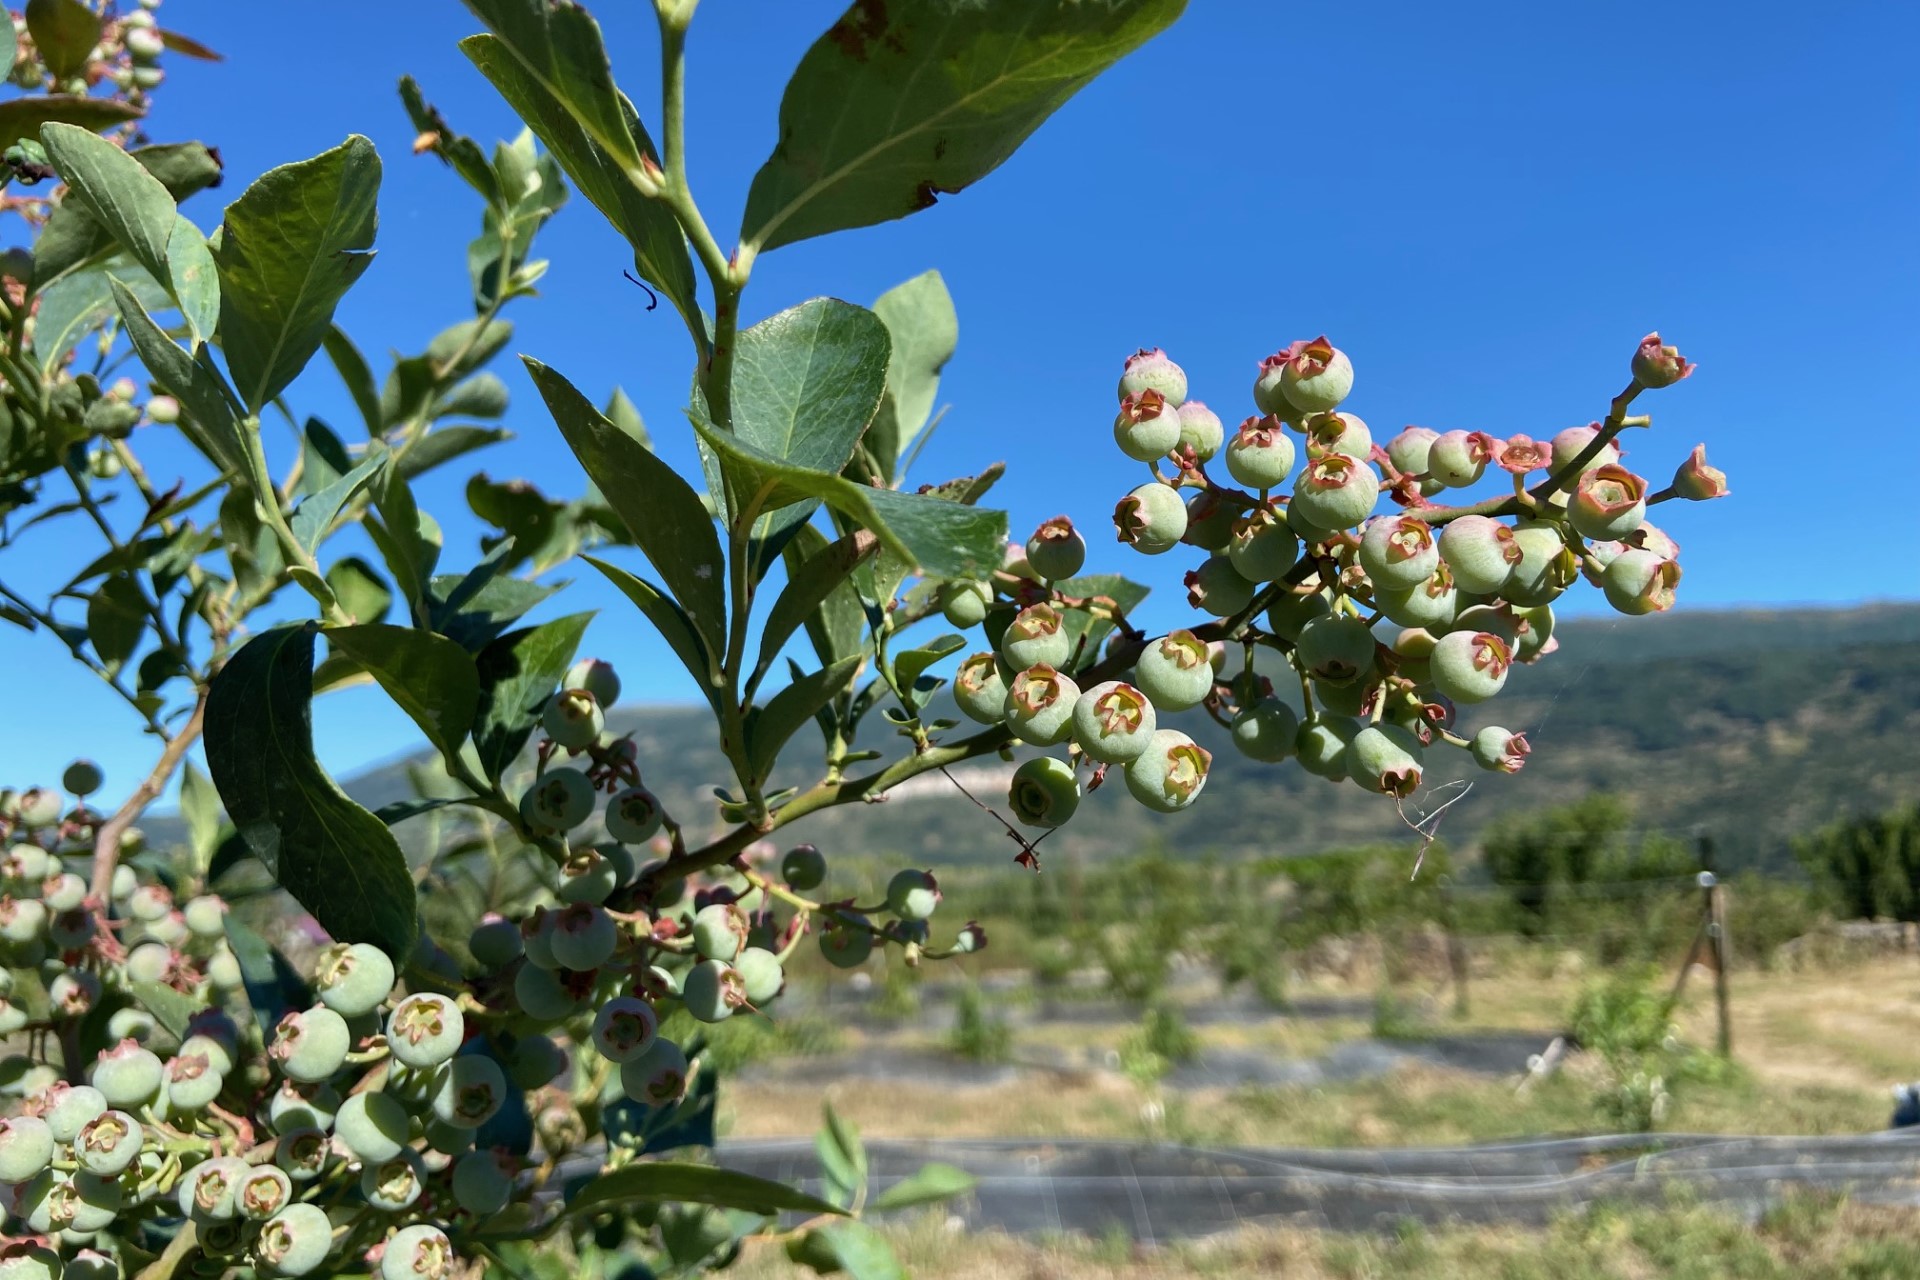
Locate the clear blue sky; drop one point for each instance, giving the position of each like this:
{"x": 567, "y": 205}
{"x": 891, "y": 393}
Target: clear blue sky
{"x": 1487, "y": 209}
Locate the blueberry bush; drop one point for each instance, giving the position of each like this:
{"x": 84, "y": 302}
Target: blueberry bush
{"x": 428, "y": 1091}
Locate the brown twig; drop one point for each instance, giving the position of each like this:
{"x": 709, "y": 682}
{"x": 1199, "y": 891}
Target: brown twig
{"x": 106, "y": 843}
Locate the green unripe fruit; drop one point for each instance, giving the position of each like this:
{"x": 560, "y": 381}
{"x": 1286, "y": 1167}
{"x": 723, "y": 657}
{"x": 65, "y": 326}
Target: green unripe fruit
{"x": 597, "y": 678}
{"x": 1175, "y": 671}
{"x": 27, "y": 865}
{"x": 1216, "y": 587}
{"x": 67, "y": 1107}
{"x": 1536, "y": 632}
{"x": 1200, "y": 430}
{"x": 720, "y": 931}
{"x": 418, "y": 1252}
{"x": 1044, "y": 792}
{"x": 1608, "y": 503}
{"x": 1149, "y": 369}
{"x": 294, "y": 1107}
{"x": 373, "y": 1126}
{"x": 1148, "y": 426}
{"x": 624, "y": 1028}
{"x": 26, "y": 1148}
{"x": 1459, "y": 458}
{"x": 127, "y": 1076}
{"x": 393, "y": 1185}
{"x": 108, "y": 1143}
{"x": 130, "y": 1024}
{"x": 541, "y": 994}
{"x": 150, "y": 903}
{"x": 302, "y": 1153}
{"x": 1263, "y": 547}
{"x": 264, "y": 1191}
{"x": 482, "y": 1183}
{"x": 1385, "y": 758}
{"x": 1571, "y": 443}
{"x": 469, "y": 1092}
{"x": 535, "y": 1062}
{"x": 80, "y": 1203}
{"x": 712, "y": 990}
{"x": 1337, "y": 433}
{"x": 1337, "y": 649}
{"x": 1315, "y": 376}
{"x": 38, "y": 807}
{"x": 192, "y": 1082}
{"x": 587, "y": 877}
{"x": 88, "y": 1264}
{"x": 573, "y": 719}
{"x": 446, "y": 1140}
{"x": 1433, "y": 605}
{"x": 1322, "y": 745}
{"x": 426, "y": 1029}
{"x": 1039, "y": 706}
{"x": 353, "y": 978}
{"x": 1261, "y": 453}
{"x": 311, "y": 1046}
{"x": 1170, "y": 773}
{"x": 1640, "y": 582}
{"x": 1398, "y": 551}
{"x": 804, "y": 867}
{"x": 1410, "y": 451}
{"x": 207, "y": 1191}
{"x": 1334, "y": 492}
{"x": 206, "y": 916}
{"x": 1056, "y": 550}
{"x": 657, "y": 1077}
{"x": 1113, "y": 722}
{"x": 847, "y": 940}
{"x": 760, "y": 970}
{"x": 584, "y": 937}
{"x": 633, "y": 816}
{"x": 82, "y": 778}
{"x": 1481, "y": 553}
{"x": 1546, "y": 568}
{"x": 1500, "y": 751}
{"x": 1152, "y": 519}
{"x": 979, "y": 690}
{"x": 295, "y": 1241}
{"x": 964, "y": 603}
{"x": 1470, "y": 666}
{"x": 63, "y": 891}
{"x": 1265, "y": 731}
{"x": 559, "y": 800}
{"x": 913, "y": 895}
{"x": 26, "y": 1260}
{"x": 1036, "y": 636}
{"x": 1288, "y": 615}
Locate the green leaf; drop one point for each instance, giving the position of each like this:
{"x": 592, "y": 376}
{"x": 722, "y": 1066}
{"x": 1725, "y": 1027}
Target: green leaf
{"x": 839, "y": 626}
{"x": 945, "y": 539}
{"x": 290, "y": 248}
{"x": 359, "y": 589}
{"x": 481, "y": 396}
{"x": 335, "y": 858}
{"x": 169, "y": 1008}
{"x": 200, "y": 808}
{"x": 358, "y": 377}
{"x": 444, "y": 444}
{"x": 431, "y": 678}
{"x": 908, "y": 667}
{"x": 82, "y": 301}
{"x": 863, "y": 1252}
{"x": 841, "y": 1153}
{"x": 669, "y": 619}
{"x": 9, "y": 44}
{"x": 24, "y": 117}
{"x": 313, "y": 518}
{"x": 933, "y": 1183}
{"x": 64, "y": 32}
{"x": 792, "y": 708}
{"x": 808, "y": 586}
{"x": 116, "y": 620}
{"x": 669, "y": 1182}
{"x": 900, "y": 103}
{"x": 408, "y": 539}
{"x": 806, "y": 382}
{"x": 518, "y": 673}
{"x": 209, "y": 421}
{"x": 659, "y": 509}
{"x": 1124, "y": 592}
{"x": 550, "y": 66}
{"x": 920, "y": 319}
{"x": 72, "y": 239}
{"x": 272, "y": 986}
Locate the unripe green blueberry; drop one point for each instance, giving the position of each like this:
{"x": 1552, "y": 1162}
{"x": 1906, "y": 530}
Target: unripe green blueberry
{"x": 1039, "y": 705}
{"x": 1152, "y": 519}
{"x": 208, "y": 1189}
{"x": 979, "y": 690}
{"x": 659, "y": 1076}
{"x": 1639, "y": 582}
{"x": 419, "y": 1252}
{"x": 1337, "y": 649}
{"x": 633, "y": 816}
{"x": 27, "y": 865}
{"x": 1265, "y": 730}
{"x": 1608, "y": 503}
{"x": 63, "y": 891}
{"x": 761, "y": 971}
{"x": 264, "y": 1191}
{"x": 1037, "y": 635}
{"x": 82, "y": 778}
{"x": 1412, "y": 649}
{"x": 1470, "y": 666}
{"x": 373, "y": 1126}
{"x": 1169, "y": 775}
{"x": 1210, "y": 520}
{"x": 1696, "y": 481}
{"x": 804, "y": 867}
{"x": 1546, "y": 568}
{"x": 597, "y": 678}
{"x": 150, "y": 902}
{"x": 39, "y": 807}
{"x": 1322, "y": 745}
{"x": 1113, "y": 722}
{"x": 21, "y": 1077}
{"x": 847, "y": 940}
{"x": 426, "y": 1029}
{"x": 1536, "y": 633}
{"x": 1572, "y": 442}
{"x": 913, "y": 895}
{"x": 584, "y": 936}
{"x": 311, "y": 1045}
{"x": 1398, "y": 551}
{"x": 302, "y": 1153}
{"x": 393, "y": 1184}
{"x": 1044, "y": 792}
{"x": 445, "y": 1140}
{"x": 1216, "y": 587}
{"x": 586, "y": 876}
{"x": 1148, "y": 426}
{"x": 127, "y": 1075}
{"x": 88, "y": 1264}
{"x": 1385, "y": 758}
{"x": 1334, "y": 492}
{"x": 80, "y": 1203}
{"x": 469, "y": 1092}
{"x": 573, "y": 719}
{"x": 1314, "y": 376}
{"x": 1175, "y": 671}
{"x": 30, "y": 1260}
{"x": 712, "y": 990}
{"x": 1481, "y": 553}
{"x": 206, "y": 916}
{"x": 67, "y": 1107}
{"x": 1337, "y": 433}
{"x": 1149, "y": 369}
{"x": 295, "y": 1241}
{"x": 108, "y": 1143}
{"x": 1200, "y": 430}
{"x": 720, "y": 930}
{"x": 482, "y": 1182}
{"x": 1500, "y": 751}
{"x": 1459, "y": 458}
{"x": 72, "y": 994}
{"x": 1056, "y": 550}
{"x": 1289, "y": 614}
{"x": 1432, "y": 605}
{"x": 192, "y": 1082}
{"x": 295, "y": 1106}
{"x": 559, "y": 800}
{"x": 26, "y": 1148}
{"x": 1260, "y": 455}
{"x": 541, "y": 995}
{"x": 623, "y": 1028}
{"x": 353, "y": 978}
{"x": 130, "y": 1024}
{"x": 964, "y": 602}
{"x": 1409, "y": 452}
{"x": 1263, "y": 547}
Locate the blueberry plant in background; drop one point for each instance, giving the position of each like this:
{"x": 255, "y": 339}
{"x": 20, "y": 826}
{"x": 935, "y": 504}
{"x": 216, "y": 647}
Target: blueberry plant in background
{"x": 440, "y": 1079}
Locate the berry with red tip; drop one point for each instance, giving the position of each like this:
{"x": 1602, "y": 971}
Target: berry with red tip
{"x": 1039, "y": 706}
{"x": 1170, "y": 774}
{"x": 1398, "y": 551}
{"x": 1037, "y": 635}
{"x": 584, "y": 936}
{"x": 1480, "y": 552}
{"x": 1112, "y": 722}
{"x": 38, "y": 807}
{"x": 1696, "y": 481}
{"x": 425, "y": 1030}
{"x": 1152, "y": 519}
{"x": 1200, "y": 430}
{"x": 1337, "y": 649}
{"x": 1264, "y": 547}
{"x": 67, "y": 1107}
{"x": 713, "y": 990}
{"x": 1459, "y": 458}
{"x": 1315, "y": 376}
{"x": 26, "y": 1148}
{"x": 1608, "y": 503}
{"x": 1265, "y": 730}
{"x": 353, "y": 978}
{"x": 310, "y": 1045}
{"x": 1639, "y": 582}
{"x": 979, "y": 690}
{"x": 913, "y": 895}
{"x": 1260, "y": 455}
{"x": 720, "y": 930}
{"x": 1410, "y": 451}
{"x": 1337, "y": 433}
{"x": 1334, "y": 492}
{"x": 1148, "y": 426}
{"x": 1175, "y": 671}
{"x": 1216, "y": 587}
{"x": 1044, "y": 792}
{"x": 624, "y": 1028}
{"x": 1499, "y": 751}
{"x": 1657, "y": 365}
{"x": 128, "y": 1076}
{"x": 1385, "y": 758}
{"x": 1432, "y": 604}
{"x": 1056, "y": 550}
{"x": 1149, "y": 369}
{"x": 1546, "y": 568}
{"x": 1470, "y": 666}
